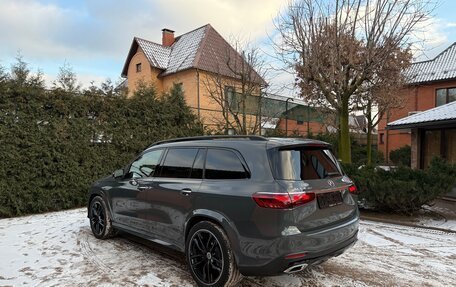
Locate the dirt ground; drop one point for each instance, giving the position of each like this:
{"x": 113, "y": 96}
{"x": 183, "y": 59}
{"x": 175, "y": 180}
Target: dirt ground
{"x": 58, "y": 249}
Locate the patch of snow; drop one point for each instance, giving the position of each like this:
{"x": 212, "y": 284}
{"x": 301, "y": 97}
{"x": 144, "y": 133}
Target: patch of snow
{"x": 58, "y": 249}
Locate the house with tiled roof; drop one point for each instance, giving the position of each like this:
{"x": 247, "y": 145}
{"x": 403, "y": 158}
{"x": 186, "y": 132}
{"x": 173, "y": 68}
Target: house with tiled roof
{"x": 425, "y": 121}
{"x": 189, "y": 60}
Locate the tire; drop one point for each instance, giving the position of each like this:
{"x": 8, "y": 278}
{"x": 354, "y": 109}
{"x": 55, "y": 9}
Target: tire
{"x": 217, "y": 269}
{"x": 100, "y": 219}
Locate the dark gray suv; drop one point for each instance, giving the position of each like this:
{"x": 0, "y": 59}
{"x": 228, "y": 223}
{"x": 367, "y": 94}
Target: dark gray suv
{"x": 235, "y": 205}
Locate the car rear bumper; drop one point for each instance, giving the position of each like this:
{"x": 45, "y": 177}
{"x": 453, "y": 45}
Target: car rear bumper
{"x": 318, "y": 247}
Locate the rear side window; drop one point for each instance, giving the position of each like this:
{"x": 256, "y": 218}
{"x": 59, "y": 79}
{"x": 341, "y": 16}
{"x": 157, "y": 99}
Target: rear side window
{"x": 304, "y": 163}
{"x": 224, "y": 164}
{"x": 178, "y": 163}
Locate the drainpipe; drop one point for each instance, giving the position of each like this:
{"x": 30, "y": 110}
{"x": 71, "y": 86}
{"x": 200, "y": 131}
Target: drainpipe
{"x": 198, "y": 93}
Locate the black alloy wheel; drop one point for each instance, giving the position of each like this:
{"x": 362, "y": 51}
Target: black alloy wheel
{"x": 209, "y": 256}
{"x": 100, "y": 219}
{"x": 206, "y": 257}
{"x": 97, "y": 218}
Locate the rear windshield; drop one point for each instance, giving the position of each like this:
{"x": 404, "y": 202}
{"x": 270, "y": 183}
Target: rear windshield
{"x": 304, "y": 163}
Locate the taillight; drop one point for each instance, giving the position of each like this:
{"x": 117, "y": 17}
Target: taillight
{"x": 282, "y": 200}
{"x": 352, "y": 189}
{"x": 301, "y": 198}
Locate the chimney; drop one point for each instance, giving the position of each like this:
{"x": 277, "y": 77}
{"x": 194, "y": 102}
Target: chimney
{"x": 167, "y": 37}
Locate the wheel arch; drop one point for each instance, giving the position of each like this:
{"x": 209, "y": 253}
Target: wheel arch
{"x": 93, "y": 194}
{"x": 218, "y": 219}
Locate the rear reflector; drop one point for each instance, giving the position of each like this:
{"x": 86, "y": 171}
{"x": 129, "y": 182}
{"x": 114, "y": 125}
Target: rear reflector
{"x": 282, "y": 200}
{"x": 352, "y": 189}
{"x": 295, "y": 256}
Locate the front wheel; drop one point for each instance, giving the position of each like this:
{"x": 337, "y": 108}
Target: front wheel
{"x": 100, "y": 219}
{"x": 210, "y": 257}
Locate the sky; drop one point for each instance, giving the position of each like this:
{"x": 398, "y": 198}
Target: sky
{"x": 94, "y": 36}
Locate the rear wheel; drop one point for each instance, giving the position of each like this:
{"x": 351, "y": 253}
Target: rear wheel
{"x": 100, "y": 219}
{"x": 209, "y": 256}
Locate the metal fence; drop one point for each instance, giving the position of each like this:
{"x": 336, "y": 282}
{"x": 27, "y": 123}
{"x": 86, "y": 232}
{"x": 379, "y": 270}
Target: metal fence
{"x": 272, "y": 106}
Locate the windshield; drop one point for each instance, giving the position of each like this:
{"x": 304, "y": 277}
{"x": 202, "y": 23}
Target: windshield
{"x": 304, "y": 163}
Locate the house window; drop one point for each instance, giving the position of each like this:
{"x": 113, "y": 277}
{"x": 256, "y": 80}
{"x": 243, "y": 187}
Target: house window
{"x": 300, "y": 120}
{"x": 229, "y": 96}
{"x": 181, "y": 86}
{"x": 138, "y": 67}
{"x": 382, "y": 138}
{"x": 445, "y": 96}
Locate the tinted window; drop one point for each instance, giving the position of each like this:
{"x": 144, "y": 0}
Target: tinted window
{"x": 304, "y": 164}
{"x": 178, "y": 163}
{"x": 198, "y": 165}
{"x": 224, "y": 164}
{"x": 145, "y": 165}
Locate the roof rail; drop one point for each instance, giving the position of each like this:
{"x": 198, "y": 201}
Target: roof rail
{"x": 197, "y": 138}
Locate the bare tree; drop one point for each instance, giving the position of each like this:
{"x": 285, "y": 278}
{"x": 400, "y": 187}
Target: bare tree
{"x": 338, "y": 47}
{"x": 236, "y": 87}
{"x": 384, "y": 92}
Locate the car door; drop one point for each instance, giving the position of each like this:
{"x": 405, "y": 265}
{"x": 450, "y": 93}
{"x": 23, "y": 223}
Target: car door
{"x": 129, "y": 202}
{"x": 171, "y": 191}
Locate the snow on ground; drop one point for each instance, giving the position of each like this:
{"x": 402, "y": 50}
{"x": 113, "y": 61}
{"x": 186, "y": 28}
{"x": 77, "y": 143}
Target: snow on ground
{"x": 58, "y": 249}
{"x": 446, "y": 215}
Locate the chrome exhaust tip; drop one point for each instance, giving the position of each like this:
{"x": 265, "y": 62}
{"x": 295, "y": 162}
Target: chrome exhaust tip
{"x": 296, "y": 268}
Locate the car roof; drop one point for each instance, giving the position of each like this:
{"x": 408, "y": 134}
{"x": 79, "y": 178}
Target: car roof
{"x": 235, "y": 141}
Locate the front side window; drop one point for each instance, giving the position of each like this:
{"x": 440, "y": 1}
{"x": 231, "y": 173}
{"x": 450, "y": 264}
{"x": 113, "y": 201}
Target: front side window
{"x": 445, "y": 96}
{"x": 145, "y": 165}
{"x": 178, "y": 163}
{"x": 224, "y": 164}
{"x": 304, "y": 163}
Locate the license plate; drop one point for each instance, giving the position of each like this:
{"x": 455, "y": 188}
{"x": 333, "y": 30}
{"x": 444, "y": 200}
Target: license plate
{"x": 329, "y": 199}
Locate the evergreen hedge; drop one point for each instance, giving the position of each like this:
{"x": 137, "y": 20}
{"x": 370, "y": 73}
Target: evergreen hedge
{"x": 54, "y": 144}
{"x": 402, "y": 155}
{"x": 402, "y": 190}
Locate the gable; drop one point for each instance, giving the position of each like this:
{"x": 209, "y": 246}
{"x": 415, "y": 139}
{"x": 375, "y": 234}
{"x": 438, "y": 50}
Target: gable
{"x": 202, "y": 48}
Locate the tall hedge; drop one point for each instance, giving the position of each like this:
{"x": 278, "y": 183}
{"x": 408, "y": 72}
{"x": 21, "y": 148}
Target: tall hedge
{"x": 402, "y": 190}
{"x": 54, "y": 144}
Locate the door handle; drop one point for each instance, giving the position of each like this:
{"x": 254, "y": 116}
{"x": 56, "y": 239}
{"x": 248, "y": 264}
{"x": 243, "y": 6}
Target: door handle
{"x": 142, "y": 187}
{"x": 186, "y": 191}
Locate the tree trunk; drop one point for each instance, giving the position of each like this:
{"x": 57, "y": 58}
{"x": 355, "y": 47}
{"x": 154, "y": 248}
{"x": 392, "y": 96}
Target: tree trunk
{"x": 344, "y": 134}
{"x": 369, "y": 132}
{"x": 369, "y": 143}
{"x": 244, "y": 115}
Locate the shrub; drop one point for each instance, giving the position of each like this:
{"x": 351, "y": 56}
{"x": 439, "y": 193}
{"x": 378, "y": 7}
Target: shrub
{"x": 56, "y": 143}
{"x": 402, "y": 190}
{"x": 401, "y": 156}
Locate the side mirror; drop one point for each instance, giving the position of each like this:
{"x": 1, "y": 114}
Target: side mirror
{"x": 118, "y": 173}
